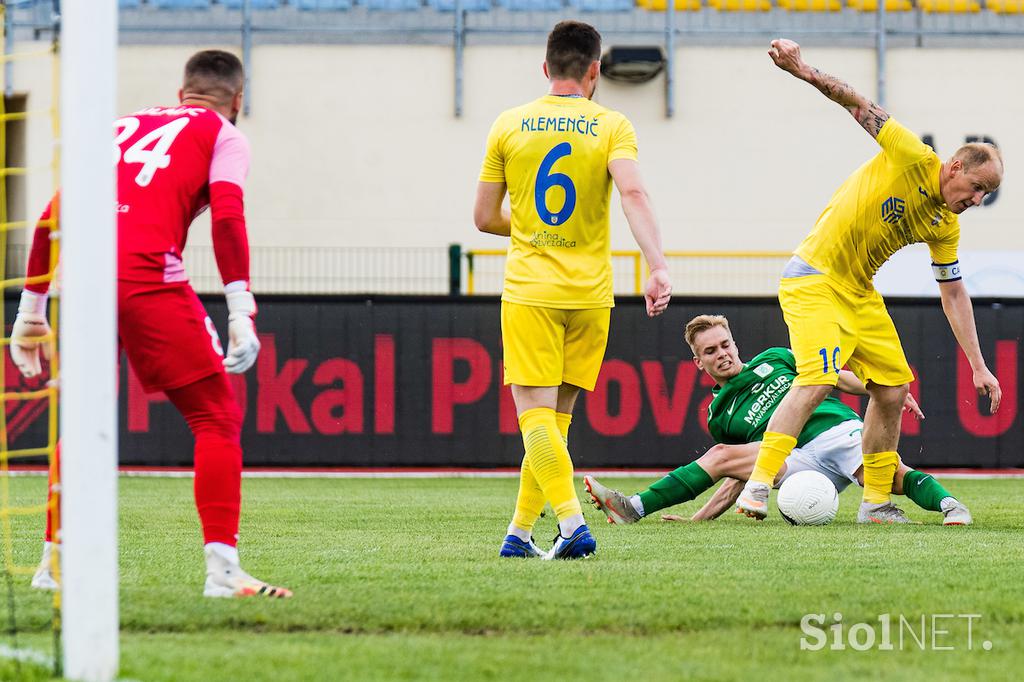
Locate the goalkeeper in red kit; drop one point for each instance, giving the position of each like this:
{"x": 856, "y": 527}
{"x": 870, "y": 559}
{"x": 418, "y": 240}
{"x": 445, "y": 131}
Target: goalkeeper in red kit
{"x": 173, "y": 163}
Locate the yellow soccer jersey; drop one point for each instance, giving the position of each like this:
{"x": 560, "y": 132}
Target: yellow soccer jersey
{"x": 553, "y": 155}
{"x": 891, "y": 201}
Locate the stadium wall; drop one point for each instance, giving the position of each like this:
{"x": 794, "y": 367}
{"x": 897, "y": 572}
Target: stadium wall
{"x": 417, "y": 382}
{"x": 359, "y": 146}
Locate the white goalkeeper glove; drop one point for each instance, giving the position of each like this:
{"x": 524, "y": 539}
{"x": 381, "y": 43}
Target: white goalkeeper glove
{"x": 243, "y": 345}
{"x": 29, "y": 326}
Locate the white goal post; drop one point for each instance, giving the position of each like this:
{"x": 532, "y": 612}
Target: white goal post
{"x": 88, "y": 390}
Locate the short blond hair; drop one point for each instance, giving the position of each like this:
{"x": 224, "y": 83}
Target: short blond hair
{"x": 974, "y": 154}
{"x": 702, "y": 323}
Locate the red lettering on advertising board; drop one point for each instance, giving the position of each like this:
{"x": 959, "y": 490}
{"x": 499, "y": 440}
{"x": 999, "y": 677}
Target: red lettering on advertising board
{"x": 606, "y": 424}
{"x": 139, "y": 401}
{"x": 338, "y": 410}
{"x": 446, "y": 393}
{"x": 276, "y": 390}
{"x": 384, "y": 383}
{"x": 968, "y": 403}
{"x": 669, "y": 412}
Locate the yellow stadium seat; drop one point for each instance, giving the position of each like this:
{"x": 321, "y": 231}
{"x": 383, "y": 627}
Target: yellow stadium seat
{"x": 741, "y": 5}
{"x": 872, "y": 5}
{"x": 951, "y": 6}
{"x": 811, "y": 5}
{"x": 1005, "y": 6}
{"x": 662, "y": 5}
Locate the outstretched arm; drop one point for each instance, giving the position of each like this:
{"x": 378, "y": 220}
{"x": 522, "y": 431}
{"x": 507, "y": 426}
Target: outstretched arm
{"x": 723, "y": 499}
{"x": 849, "y": 383}
{"x": 956, "y": 303}
{"x": 637, "y": 206}
{"x": 871, "y": 117}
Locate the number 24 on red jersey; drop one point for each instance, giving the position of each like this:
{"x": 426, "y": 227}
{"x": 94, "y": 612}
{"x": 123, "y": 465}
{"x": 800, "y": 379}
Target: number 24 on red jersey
{"x": 153, "y": 159}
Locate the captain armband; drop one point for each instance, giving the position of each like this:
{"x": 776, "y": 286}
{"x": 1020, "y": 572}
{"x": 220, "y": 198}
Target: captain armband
{"x": 948, "y": 272}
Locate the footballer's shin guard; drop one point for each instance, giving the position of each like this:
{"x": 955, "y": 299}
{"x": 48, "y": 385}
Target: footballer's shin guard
{"x": 549, "y": 460}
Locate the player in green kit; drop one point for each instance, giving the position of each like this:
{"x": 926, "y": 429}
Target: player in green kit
{"x": 746, "y": 395}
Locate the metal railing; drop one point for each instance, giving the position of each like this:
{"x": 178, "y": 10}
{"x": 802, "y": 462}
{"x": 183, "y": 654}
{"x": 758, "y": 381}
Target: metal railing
{"x": 696, "y": 273}
{"x": 485, "y": 271}
{"x": 451, "y": 270}
{"x": 313, "y": 270}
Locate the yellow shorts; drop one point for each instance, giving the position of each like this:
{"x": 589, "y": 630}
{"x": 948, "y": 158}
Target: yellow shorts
{"x": 549, "y": 347}
{"x": 831, "y": 326}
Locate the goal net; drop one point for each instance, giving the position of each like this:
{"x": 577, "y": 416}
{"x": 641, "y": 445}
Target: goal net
{"x": 28, "y": 422}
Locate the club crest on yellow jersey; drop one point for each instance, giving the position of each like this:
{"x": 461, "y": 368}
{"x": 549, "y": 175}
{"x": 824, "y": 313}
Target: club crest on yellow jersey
{"x": 893, "y": 210}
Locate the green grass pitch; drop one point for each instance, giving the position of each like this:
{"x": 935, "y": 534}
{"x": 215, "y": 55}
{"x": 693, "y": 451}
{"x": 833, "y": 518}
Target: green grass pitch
{"x": 400, "y": 580}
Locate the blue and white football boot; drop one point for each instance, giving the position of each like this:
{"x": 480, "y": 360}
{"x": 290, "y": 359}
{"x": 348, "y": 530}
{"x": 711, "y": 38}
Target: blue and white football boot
{"x": 579, "y": 545}
{"x": 514, "y": 547}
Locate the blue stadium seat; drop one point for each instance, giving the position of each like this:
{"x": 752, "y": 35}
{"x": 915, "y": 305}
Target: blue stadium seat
{"x": 255, "y": 4}
{"x": 467, "y": 5}
{"x": 532, "y": 5}
{"x": 182, "y": 4}
{"x": 394, "y": 5}
{"x": 602, "y": 5}
{"x": 128, "y": 4}
{"x": 317, "y": 5}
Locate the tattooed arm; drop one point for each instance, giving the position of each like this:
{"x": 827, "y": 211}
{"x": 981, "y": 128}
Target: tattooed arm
{"x": 786, "y": 55}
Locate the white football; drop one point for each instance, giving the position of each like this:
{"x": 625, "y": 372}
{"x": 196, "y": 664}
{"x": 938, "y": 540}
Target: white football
{"x": 808, "y": 498}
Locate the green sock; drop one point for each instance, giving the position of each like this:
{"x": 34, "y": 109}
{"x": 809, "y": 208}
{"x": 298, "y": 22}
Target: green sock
{"x": 924, "y": 490}
{"x": 682, "y": 485}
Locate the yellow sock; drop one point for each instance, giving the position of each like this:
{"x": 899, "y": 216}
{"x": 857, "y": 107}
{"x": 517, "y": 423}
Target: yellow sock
{"x": 879, "y": 470}
{"x": 530, "y": 501}
{"x": 549, "y": 460}
{"x": 775, "y": 448}
{"x": 563, "y": 419}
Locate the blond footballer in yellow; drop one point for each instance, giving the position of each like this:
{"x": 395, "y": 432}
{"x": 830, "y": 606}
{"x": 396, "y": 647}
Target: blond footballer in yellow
{"x": 904, "y": 195}
{"x": 557, "y": 158}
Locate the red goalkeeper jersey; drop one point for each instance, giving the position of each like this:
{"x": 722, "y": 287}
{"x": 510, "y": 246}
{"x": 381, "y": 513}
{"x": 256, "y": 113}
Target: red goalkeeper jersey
{"x": 172, "y": 163}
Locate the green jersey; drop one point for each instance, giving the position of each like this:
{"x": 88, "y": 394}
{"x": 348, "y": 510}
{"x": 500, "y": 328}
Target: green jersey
{"x": 742, "y": 407}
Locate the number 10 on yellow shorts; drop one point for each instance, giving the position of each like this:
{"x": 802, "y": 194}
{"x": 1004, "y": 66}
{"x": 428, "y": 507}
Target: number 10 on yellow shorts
{"x": 831, "y": 326}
